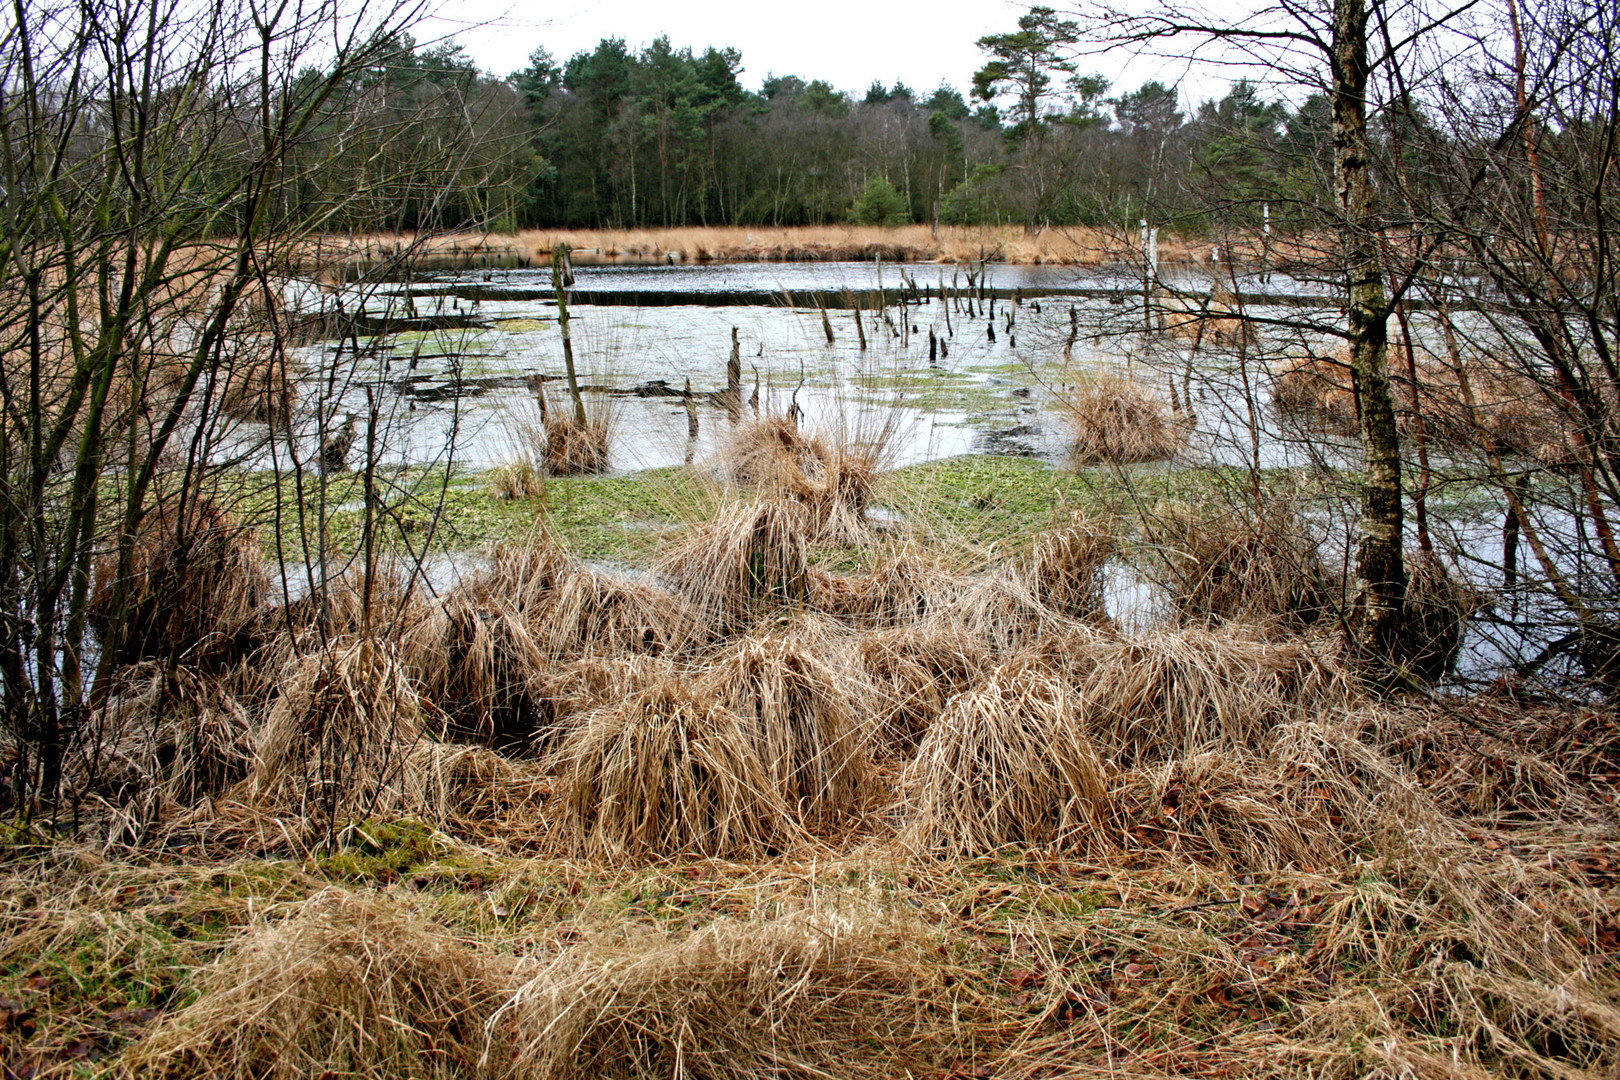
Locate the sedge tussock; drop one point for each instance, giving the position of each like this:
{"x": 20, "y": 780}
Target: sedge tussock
{"x": 1317, "y": 389}
{"x": 476, "y": 661}
{"x": 344, "y": 987}
{"x": 914, "y": 671}
{"x": 1003, "y": 609}
{"x": 1255, "y": 567}
{"x": 259, "y": 391}
{"x": 596, "y": 613}
{"x": 592, "y": 682}
{"x": 1064, "y": 568}
{"x": 833, "y": 484}
{"x": 575, "y": 449}
{"x": 748, "y": 561}
{"x": 805, "y": 714}
{"x": 336, "y": 737}
{"x": 1008, "y": 762}
{"x": 665, "y": 772}
{"x": 1438, "y": 607}
{"x": 195, "y": 582}
{"x": 1112, "y": 419}
{"x": 810, "y": 994}
{"x": 475, "y": 792}
{"x": 1177, "y": 693}
{"x": 900, "y": 591}
{"x": 516, "y": 481}
{"x": 170, "y": 738}
{"x": 523, "y": 574}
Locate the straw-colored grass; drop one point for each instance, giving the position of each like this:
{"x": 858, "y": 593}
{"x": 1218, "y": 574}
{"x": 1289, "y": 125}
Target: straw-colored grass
{"x": 899, "y": 591}
{"x": 1438, "y": 607}
{"x": 575, "y": 449}
{"x": 1009, "y": 762}
{"x": 1115, "y": 420}
{"x": 346, "y": 986}
{"x": 1179, "y": 693}
{"x": 336, "y": 737}
{"x": 665, "y": 772}
{"x": 776, "y": 459}
{"x": 914, "y": 672}
{"x": 806, "y": 714}
{"x": 831, "y": 992}
{"x": 1252, "y": 566}
{"x": 749, "y": 560}
{"x": 476, "y": 661}
{"x": 195, "y": 582}
{"x": 603, "y": 614}
{"x": 1064, "y": 567}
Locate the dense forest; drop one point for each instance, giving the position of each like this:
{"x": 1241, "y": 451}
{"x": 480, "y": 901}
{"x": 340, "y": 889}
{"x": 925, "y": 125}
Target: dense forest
{"x": 666, "y": 136}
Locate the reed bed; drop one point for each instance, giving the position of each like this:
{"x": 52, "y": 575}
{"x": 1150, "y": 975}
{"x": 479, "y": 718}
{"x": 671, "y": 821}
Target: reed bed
{"x": 1115, "y": 420}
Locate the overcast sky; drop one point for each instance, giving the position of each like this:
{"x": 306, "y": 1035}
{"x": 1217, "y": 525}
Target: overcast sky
{"x": 847, "y": 42}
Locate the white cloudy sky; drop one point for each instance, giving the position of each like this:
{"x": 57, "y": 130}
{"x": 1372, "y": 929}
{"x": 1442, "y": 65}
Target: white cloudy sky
{"x": 847, "y": 42}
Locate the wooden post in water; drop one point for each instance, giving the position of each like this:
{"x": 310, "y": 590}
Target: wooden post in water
{"x": 860, "y": 329}
{"x": 734, "y": 380}
{"x": 691, "y": 421}
{"x": 561, "y": 277}
{"x": 826, "y": 325}
{"x": 1074, "y": 332}
{"x": 933, "y": 350}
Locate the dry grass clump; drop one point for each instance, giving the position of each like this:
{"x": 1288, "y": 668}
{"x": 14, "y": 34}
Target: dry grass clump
{"x": 748, "y": 560}
{"x": 1319, "y": 390}
{"x": 1065, "y": 566}
{"x": 336, "y": 737}
{"x": 610, "y": 615}
{"x": 1209, "y": 322}
{"x": 195, "y": 582}
{"x": 344, "y": 987}
{"x": 812, "y": 994}
{"x": 914, "y": 671}
{"x": 664, "y": 772}
{"x": 575, "y": 449}
{"x": 1254, "y": 566}
{"x": 168, "y": 739}
{"x": 805, "y": 714}
{"x": 1009, "y": 762}
{"x": 1179, "y": 693}
{"x": 1112, "y": 419}
{"x": 475, "y": 660}
{"x": 1003, "y": 610}
{"x": 516, "y": 481}
{"x": 899, "y": 591}
{"x": 834, "y": 484}
{"x": 524, "y": 574}
{"x": 1438, "y": 607}
{"x": 476, "y": 792}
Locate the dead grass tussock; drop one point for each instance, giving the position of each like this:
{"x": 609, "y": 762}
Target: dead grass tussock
{"x": 1115, "y": 420}
{"x": 1064, "y": 567}
{"x": 750, "y": 559}
{"x": 195, "y": 581}
{"x": 335, "y": 740}
{"x": 665, "y": 772}
{"x": 1003, "y": 609}
{"x": 168, "y": 739}
{"x": 914, "y": 672}
{"x": 346, "y": 986}
{"x": 574, "y": 449}
{"x": 477, "y": 793}
{"x": 806, "y": 714}
{"x": 900, "y": 590}
{"x": 596, "y": 613}
{"x": 475, "y": 660}
{"x": 516, "y": 481}
{"x": 1170, "y": 694}
{"x": 1438, "y": 607}
{"x": 1257, "y": 566}
{"x": 833, "y": 483}
{"x": 845, "y": 992}
{"x": 1009, "y": 762}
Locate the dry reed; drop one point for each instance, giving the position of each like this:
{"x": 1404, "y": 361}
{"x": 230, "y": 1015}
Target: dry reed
{"x": 805, "y": 715}
{"x": 195, "y": 582}
{"x": 914, "y": 672}
{"x": 1064, "y": 568}
{"x": 834, "y": 484}
{"x": 748, "y": 560}
{"x": 574, "y": 449}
